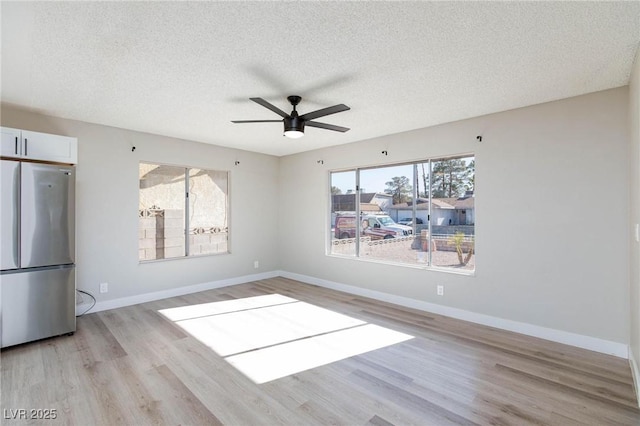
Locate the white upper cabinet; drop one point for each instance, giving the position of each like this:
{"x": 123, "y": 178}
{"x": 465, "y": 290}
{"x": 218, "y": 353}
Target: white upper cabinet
{"x": 43, "y": 146}
{"x": 39, "y": 146}
{"x": 11, "y": 142}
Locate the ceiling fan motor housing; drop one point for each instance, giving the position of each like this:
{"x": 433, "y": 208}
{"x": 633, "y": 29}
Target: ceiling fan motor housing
{"x": 293, "y": 122}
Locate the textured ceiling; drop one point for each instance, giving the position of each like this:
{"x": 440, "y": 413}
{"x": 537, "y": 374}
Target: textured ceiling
{"x": 186, "y": 69}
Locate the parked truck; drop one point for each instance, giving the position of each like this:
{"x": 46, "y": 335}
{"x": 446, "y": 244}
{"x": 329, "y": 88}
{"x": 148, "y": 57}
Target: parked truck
{"x": 374, "y": 226}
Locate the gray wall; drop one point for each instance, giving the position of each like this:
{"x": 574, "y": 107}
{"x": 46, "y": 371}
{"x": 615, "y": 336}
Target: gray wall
{"x": 545, "y": 175}
{"x": 634, "y": 195}
{"x": 107, "y": 207}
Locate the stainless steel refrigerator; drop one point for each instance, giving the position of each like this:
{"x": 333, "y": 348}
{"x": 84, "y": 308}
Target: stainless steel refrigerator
{"x": 37, "y": 252}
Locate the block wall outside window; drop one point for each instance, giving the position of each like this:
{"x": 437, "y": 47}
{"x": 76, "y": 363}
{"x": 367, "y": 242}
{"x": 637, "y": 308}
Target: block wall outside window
{"x": 182, "y": 212}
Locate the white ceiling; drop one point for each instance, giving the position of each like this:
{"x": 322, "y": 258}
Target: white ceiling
{"x": 186, "y": 69}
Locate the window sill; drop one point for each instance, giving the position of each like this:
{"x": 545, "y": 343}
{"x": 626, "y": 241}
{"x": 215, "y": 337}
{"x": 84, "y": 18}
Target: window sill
{"x": 169, "y": 259}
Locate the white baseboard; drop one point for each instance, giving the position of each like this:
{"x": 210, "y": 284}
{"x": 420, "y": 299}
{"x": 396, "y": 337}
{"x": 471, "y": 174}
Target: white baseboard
{"x": 620, "y": 350}
{"x": 635, "y": 373}
{"x": 179, "y": 291}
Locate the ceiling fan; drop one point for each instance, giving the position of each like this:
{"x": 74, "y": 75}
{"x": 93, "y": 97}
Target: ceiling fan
{"x": 293, "y": 123}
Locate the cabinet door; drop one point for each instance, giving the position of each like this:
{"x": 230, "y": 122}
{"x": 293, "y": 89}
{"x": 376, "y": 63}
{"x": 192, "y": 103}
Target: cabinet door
{"x": 11, "y": 142}
{"x": 43, "y": 146}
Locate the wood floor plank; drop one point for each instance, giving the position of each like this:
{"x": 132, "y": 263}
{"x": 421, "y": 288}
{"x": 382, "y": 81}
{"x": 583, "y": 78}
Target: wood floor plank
{"x": 379, "y": 421}
{"x": 429, "y": 411}
{"x": 193, "y": 410}
{"x": 134, "y": 366}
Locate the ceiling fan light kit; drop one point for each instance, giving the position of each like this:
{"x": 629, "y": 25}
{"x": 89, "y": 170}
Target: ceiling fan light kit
{"x": 294, "y": 134}
{"x": 293, "y": 123}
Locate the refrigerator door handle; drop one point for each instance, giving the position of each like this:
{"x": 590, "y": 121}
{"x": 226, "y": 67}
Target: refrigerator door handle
{"x": 16, "y": 149}
{"x": 25, "y": 146}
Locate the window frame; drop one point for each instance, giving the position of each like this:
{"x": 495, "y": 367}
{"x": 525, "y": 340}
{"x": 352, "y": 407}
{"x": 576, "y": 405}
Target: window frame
{"x": 414, "y": 193}
{"x": 186, "y": 234}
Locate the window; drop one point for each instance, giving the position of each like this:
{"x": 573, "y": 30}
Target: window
{"x": 420, "y": 213}
{"x": 182, "y": 212}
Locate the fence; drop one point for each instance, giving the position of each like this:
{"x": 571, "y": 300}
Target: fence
{"x": 161, "y": 236}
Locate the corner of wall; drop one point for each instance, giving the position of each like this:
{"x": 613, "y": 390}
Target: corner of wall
{"x": 280, "y": 215}
{"x": 634, "y": 216}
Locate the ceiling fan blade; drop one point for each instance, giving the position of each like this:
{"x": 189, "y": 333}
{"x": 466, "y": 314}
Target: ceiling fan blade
{"x": 326, "y": 126}
{"x": 256, "y": 121}
{"x": 325, "y": 111}
{"x": 273, "y": 108}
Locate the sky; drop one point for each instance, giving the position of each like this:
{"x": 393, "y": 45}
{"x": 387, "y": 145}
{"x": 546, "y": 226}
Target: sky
{"x": 374, "y": 179}
{"x": 371, "y": 180}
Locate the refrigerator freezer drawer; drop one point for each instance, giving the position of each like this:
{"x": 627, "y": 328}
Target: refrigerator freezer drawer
{"x": 37, "y": 304}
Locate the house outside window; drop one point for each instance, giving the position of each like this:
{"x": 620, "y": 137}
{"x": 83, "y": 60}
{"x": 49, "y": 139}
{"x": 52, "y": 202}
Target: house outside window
{"x": 182, "y": 212}
{"x": 420, "y": 214}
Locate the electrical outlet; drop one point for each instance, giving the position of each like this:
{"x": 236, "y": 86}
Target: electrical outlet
{"x": 104, "y": 287}
{"x": 440, "y": 290}
{"x": 256, "y": 264}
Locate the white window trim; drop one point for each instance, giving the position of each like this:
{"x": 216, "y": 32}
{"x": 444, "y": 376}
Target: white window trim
{"x": 356, "y": 257}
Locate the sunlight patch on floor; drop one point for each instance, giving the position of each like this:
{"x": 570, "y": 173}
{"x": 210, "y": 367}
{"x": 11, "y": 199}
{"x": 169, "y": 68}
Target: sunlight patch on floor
{"x": 273, "y": 336}
{"x": 283, "y": 360}
{"x": 215, "y": 308}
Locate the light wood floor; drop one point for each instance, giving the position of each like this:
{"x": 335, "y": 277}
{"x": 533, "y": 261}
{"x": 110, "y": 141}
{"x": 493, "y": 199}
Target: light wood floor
{"x": 133, "y": 366}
